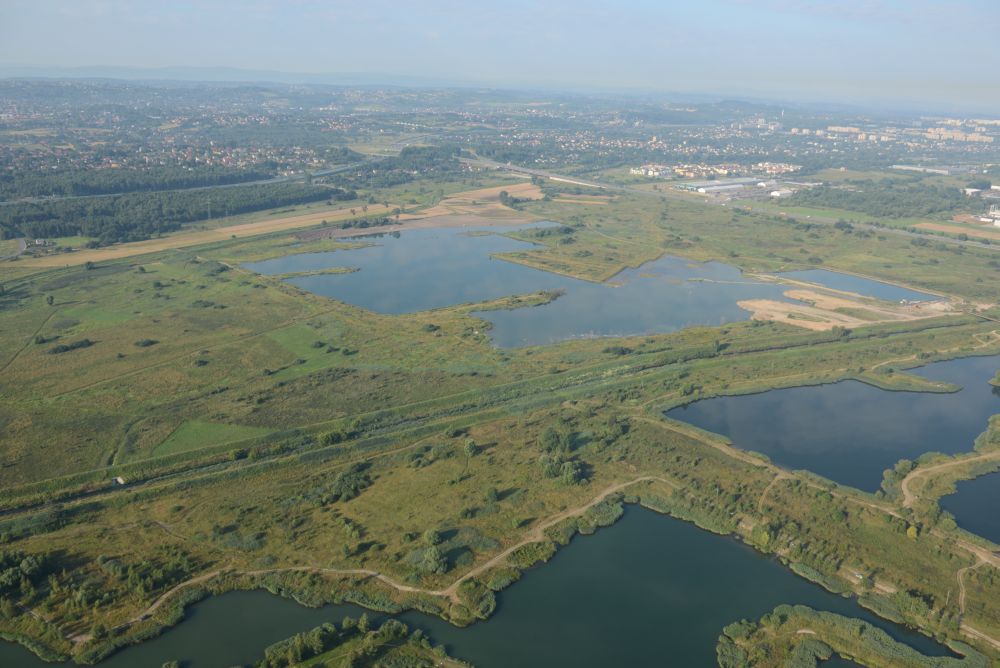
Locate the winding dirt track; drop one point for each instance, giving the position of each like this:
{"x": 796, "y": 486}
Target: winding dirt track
{"x": 909, "y": 497}
{"x": 961, "y": 583}
{"x": 763, "y": 495}
{"x": 537, "y": 534}
{"x": 983, "y": 556}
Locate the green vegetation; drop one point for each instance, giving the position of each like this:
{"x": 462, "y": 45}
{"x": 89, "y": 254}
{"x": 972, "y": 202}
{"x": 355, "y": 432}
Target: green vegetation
{"x": 137, "y": 216}
{"x": 799, "y": 637}
{"x": 196, "y": 434}
{"x": 355, "y": 645}
{"x": 273, "y": 438}
{"x": 86, "y": 182}
{"x": 886, "y": 198}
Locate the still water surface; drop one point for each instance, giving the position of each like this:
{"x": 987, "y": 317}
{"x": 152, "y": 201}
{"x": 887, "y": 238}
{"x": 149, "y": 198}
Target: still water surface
{"x": 976, "y": 506}
{"x": 648, "y": 591}
{"x": 856, "y": 284}
{"x": 431, "y": 268}
{"x": 849, "y": 431}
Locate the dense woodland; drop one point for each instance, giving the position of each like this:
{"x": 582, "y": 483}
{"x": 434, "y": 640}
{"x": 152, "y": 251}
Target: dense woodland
{"x": 138, "y": 216}
{"x": 135, "y": 216}
{"x": 412, "y": 162}
{"x": 886, "y": 199}
{"x": 82, "y": 182}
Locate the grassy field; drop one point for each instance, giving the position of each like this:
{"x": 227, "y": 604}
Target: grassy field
{"x": 195, "y": 434}
{"x": 268, "y": 436}
{"x": 633, "y": 230}
{"x": 806, "y": 213}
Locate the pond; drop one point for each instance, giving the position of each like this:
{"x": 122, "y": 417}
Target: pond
{"x": 648, "y": 591}
{"x": 975, "y": 506}
{"x": 431, "y": 268}
{"x": 851, "y": 432}
{"x": 862, "y": 286}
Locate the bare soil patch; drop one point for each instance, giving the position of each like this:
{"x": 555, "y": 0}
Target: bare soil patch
{"x": 449, "y": 220}
{"x": 955, "y": 229}
{"x": 196, "y": 238}
{"x": 821, "y": 311}
{"x": 482, "y": 202}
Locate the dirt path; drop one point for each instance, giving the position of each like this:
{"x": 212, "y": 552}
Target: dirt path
{"x": 983, "y": 556}
{"x": 158, "y": 603}
{"x": 976, "y": 551}
{"x": 763, "y": 495}
{"x": 961, "y": 583}
{"x": 979, "y": 635}
{"x": 725, "y": 448}
{"x": 909, "y": 497}
{"x": 990, "y": 337}
{"x": 536, "y": 534}
{"x": 27, "y": 343}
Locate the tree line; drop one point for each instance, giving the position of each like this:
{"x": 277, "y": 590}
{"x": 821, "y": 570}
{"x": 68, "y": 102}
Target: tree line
{"x": 412, "y": 162}
{"x": 82, "y": 182}
{"x": 885, "y": 199}
{"x": 137, "y": 216}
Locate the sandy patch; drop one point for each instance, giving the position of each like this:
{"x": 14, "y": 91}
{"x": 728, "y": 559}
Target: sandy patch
{"x": 482, "y": 202}
{"x": 955, "y": 229}
{"x": 574, "y": 200}
{"x": 821, "y": 310}
{"x": 184, "y": 239}
{"x": 452, "y": 220}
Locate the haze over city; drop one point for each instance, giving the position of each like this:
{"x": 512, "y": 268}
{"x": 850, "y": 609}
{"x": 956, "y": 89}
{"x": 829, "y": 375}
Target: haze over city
{"x": 881, "y": 52}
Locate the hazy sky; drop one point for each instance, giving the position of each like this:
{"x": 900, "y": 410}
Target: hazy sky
{"x": 942, "y": 51}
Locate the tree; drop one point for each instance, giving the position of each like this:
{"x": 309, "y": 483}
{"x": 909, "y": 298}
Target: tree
{"x": 912, "y": 532}
{"x": 50, "y": 300}
{"x": 471, "y": 448}
{"x": 434, "y": 561}
{"x": 432, "y": 537}
{"x": 554, "y": 440}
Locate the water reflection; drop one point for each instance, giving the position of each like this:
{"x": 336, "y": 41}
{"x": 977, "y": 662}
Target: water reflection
{"x": 849, "y": 431}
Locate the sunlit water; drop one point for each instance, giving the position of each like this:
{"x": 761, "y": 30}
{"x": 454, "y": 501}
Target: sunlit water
{"x": 851, "y": 432}
{"x": 431, "y": 268}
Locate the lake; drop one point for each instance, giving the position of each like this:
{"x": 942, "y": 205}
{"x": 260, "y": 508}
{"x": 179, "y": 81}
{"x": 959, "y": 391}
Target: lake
{"x": 857, "y": 284}
{"x": 976, "y": 504}
{"x": 648, "y": 591}
{"x": 851, "y": 432}
{"x": 430, "y": 268}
